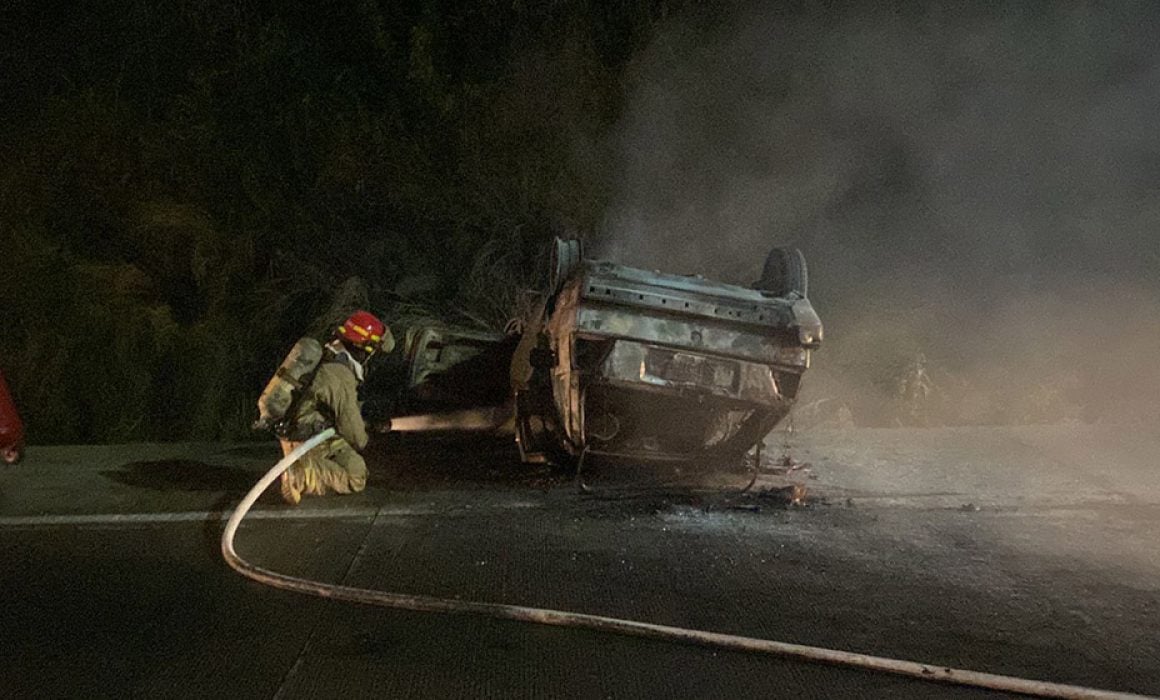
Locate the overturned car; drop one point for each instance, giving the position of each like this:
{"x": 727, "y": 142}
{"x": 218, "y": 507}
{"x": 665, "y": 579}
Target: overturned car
{"x": 626, "y": 363}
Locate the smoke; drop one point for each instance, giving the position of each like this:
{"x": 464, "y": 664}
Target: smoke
{"x": 979, "y": 185}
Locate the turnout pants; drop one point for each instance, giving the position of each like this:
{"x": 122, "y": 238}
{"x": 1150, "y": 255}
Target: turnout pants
{"x": 332, "y": 467}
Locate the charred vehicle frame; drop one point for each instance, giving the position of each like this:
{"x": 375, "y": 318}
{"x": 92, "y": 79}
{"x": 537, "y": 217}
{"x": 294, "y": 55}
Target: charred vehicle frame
{"x": 625, "y": 363}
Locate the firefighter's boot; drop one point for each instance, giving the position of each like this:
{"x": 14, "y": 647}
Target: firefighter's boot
{"x": 293, "y": 484}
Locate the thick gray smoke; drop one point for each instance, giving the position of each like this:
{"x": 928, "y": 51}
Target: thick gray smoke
{"x": 981, "y": 186}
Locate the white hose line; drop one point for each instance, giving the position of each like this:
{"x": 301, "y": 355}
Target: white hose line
{"x": 562, "y": 618}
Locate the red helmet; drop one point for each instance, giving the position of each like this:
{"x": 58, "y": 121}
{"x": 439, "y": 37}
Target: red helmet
{"x": 363, "y": 330}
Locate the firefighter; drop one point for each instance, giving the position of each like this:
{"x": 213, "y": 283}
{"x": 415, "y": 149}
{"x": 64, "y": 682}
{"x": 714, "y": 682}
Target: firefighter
{"x": 916, "y": 390}
{"x": 331, "y": 400}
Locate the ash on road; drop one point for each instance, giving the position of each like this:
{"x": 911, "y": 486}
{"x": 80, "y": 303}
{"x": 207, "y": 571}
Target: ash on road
{"x": 1028, "y": 551}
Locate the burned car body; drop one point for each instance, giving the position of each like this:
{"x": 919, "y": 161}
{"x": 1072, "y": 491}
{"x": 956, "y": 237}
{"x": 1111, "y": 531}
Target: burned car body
{"x": 627, "y": 363}
{"x": 654, "y": 366}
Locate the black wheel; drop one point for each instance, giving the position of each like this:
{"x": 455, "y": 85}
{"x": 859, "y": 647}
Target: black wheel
{"x": 784, "y": 274}
{"x": 566, "y": 256}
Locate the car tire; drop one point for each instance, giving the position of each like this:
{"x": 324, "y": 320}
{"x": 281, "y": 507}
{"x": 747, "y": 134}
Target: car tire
{"x": 784, "y": 274}
{"x": 566, "y": 257}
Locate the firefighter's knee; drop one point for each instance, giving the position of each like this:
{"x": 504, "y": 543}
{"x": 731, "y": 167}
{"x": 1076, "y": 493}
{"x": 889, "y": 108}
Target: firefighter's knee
{"x": 354, "y": 467}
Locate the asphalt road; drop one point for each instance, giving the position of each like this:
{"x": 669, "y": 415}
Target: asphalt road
{"x": 1030, "y": 552}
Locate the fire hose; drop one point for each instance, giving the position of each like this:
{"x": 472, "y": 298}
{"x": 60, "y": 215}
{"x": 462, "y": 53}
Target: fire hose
{"x": 561, "y": 618}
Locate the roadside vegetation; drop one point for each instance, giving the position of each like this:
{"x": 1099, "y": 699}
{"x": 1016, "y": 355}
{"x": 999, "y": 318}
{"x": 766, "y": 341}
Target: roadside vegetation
{"x": 183, "y": 191}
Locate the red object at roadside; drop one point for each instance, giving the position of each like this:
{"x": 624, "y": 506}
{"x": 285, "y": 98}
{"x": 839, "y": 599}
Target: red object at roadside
{"x": 11, "y": 427}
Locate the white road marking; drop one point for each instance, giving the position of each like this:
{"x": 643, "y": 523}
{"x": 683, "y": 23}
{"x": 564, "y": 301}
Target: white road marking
{"x": 287, "y": 514}
{"x": 202, "y": 516}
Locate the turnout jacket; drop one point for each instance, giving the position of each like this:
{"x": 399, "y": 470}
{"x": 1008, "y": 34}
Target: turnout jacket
{"x": 332, "y": 400}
